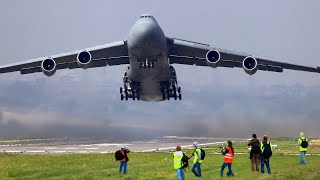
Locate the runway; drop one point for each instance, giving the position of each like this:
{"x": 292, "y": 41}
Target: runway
{"x": 56, "y": 147}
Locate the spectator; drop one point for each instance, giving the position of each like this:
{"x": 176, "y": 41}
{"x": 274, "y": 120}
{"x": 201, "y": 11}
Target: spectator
{"x": 255, "y": 152}
{"x": 303, "y": 145}
{"x": 196, "y": 160}
{"x": 228, "y": 159}
{"x": 124, "y": 160}
{"x": 177, "y": 163}
{"x": 266, "y": 153}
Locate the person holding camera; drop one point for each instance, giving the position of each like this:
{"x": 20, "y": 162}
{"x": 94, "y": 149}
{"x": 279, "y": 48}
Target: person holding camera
{"x": 255, "y": 152}
{"x": 228, "y": 159}
{"x": 124, "y": 160}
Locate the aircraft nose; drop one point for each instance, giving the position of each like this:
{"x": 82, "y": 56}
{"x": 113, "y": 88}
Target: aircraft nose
{"x": 146, "y": 31}
{"x": 145, "y": 37}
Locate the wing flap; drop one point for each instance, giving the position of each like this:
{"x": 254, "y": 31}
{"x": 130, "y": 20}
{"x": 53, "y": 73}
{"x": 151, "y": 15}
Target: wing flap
{"x": 28, "y": 70}
{"x": 182, "y": 60}
{"x": 118, "y": 60}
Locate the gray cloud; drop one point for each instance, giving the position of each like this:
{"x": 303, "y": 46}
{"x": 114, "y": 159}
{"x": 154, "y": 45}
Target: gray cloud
{"x": 216, "y": 102}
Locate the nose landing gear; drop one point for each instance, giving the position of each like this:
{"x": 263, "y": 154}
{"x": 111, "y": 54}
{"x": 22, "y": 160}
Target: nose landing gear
{"x": 147, "y": 63}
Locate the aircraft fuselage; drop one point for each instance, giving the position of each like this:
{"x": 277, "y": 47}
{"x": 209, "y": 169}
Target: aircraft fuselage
{"x": 148, "y": 56}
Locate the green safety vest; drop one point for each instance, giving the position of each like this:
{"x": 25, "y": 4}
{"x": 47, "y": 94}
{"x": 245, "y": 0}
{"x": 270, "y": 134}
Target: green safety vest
{"x": 177, "y": 164}
{"x": 195, "y": 155}
{"x": 300, "y": 141}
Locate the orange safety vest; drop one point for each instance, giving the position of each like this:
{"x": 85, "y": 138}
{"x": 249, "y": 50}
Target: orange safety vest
{"x": 124, "y": 159}
{"x": 228, "y": 158}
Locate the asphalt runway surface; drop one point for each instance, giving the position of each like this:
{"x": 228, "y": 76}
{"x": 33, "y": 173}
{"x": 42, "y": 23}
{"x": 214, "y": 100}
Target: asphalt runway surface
{"x": 101, "y": 146}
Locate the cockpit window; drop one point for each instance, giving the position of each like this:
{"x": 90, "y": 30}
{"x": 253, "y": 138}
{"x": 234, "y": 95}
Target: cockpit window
{"x": 145, "y": 16}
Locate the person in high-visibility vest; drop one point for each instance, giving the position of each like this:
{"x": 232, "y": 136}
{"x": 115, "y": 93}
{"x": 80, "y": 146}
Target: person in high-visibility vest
{"x": 177, "y": 163}
{"x": 266, "y": 153}
{"x": 303, "y": 147}
{"x": 228, "y": 159}
{"x": 196, "y": 160}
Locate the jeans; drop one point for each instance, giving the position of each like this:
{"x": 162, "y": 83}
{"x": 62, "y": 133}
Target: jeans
{"x": 180, "y": 173}
{"x": 265, "y": 161}
{"x": 124, "y": 165}
{"x": 198, "y": 166}
{"x": 303, "y": 157}
{"x": 224, "y": 165}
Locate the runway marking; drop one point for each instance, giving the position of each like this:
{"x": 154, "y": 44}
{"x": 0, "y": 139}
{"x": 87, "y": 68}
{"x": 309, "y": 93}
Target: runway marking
{"x": 83, "y": 152}
{"x": 110, "y": 144}
{"x": 70, "y": 148}
{"x": 14, "y": 151}
{"x": 58, "y": 151}
{"x": 50, "y": 148}
{"x": 35, "y": 151}
{"x": 91, "y": 148}
{"x": 185, "y": 146}
{"x": 105, "y": 152}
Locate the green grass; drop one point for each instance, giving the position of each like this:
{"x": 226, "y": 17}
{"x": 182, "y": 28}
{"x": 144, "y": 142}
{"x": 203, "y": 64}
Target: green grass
{"x": 157, "y": 165}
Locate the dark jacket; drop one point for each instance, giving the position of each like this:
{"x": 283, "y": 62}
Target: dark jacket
{"x": 252, "y": 142}
{"x": 124, "y": 152}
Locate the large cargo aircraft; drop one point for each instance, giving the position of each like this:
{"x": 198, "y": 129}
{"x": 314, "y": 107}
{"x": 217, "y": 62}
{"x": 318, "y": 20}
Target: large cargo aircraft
{"x": 149, "y": 55}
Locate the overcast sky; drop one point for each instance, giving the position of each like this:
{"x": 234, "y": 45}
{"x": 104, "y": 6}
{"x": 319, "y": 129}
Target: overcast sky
{"x": 216, "y": 102}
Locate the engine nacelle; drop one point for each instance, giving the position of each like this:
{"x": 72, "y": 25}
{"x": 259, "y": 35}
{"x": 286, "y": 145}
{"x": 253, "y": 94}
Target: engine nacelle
{"x": 250, "y": 65}
{"x": 84, "y": 59}
{"x": 213, "y": 58}
{"x": 48, "y": 67}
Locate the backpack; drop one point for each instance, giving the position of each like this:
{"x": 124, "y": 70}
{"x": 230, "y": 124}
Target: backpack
{"x": 118, "y": 155}
{"x": 203, "y": 154}
{"x": 256, "y": 148}
{"x": 185, "y": 161}
{"x": 267, "y": 152}
{"x": 304, "y": 143}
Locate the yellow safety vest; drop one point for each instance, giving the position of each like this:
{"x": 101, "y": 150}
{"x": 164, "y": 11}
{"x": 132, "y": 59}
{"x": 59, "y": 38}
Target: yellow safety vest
{"x": 177, "y": 164}
{"x": 262, "y": 148}
{"x": 195, "y": 156}
{"x": 300, "y": 141}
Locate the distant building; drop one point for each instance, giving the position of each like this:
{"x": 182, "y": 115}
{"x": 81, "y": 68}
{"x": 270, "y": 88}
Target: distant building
{"x": 314, "y": 144}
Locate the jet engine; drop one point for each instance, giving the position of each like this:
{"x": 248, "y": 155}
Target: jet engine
{"x": 250, "y": 65}
{"x": 84, "y": 59}
{"x": 48, "y": 67}
{"x": 213, "y": 58}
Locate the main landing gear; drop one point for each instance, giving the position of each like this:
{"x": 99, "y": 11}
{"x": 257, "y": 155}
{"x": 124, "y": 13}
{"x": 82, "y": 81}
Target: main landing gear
{"x": 131, "y": 92}
{"x": 130, "y": 89}
{"x": 169, "y": 90}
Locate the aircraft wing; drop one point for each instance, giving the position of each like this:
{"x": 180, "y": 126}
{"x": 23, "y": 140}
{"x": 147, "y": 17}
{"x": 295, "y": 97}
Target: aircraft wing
{"x": 193, "y": 53}
{"x": 109, "y": 54}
